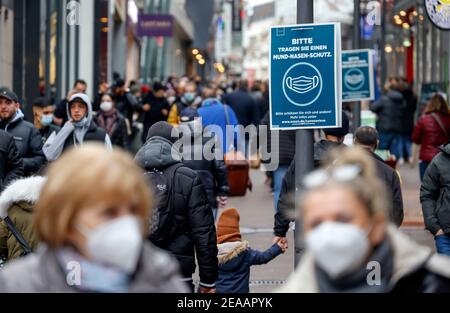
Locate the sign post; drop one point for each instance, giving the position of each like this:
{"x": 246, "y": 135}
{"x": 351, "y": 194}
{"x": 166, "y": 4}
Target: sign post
{"x": 298, "y": 89}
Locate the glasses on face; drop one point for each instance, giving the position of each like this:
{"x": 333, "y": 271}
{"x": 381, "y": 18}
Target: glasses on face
{"x": 343, "y": 173}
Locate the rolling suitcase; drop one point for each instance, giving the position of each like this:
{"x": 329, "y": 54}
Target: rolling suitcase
{"x": 238, "y": 174}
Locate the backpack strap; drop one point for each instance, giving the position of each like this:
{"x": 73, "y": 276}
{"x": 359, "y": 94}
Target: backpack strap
{"x": 441, "y": 125}
{"x": 23, "y": 243}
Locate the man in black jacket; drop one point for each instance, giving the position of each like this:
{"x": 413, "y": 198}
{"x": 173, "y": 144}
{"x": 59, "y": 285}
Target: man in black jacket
{"x": 367, "y": 138}
{"x": 193, "y": 232}
{"x": 435, "y": 199}
{"x": 334, "y": 138}
{"x": 200, "y": 154}
{"x": 43, "y": 114}
{"x": 11, "y": 167}
{"x": 26, "y": 136}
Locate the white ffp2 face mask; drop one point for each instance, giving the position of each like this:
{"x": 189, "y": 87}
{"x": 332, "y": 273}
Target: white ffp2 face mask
{"x": 117, "y": 243}
{"x": 338, "y": 248}
{"x": 106, "y": 106}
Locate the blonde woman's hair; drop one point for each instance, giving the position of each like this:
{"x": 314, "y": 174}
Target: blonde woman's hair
{"x": 90, "y": 175}
{"x": 366, "y": 186}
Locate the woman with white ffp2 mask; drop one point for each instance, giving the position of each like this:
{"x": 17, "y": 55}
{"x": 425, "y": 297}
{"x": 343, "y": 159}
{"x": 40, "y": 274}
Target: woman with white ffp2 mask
{"x": 113, "y": 122}
{"x": 350, "y": 244}
{"x": 92, "y": 216}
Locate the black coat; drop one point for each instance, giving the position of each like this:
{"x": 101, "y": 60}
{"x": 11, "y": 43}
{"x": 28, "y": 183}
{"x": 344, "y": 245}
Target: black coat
{"x": 212, "y": 173}
{"x": 119, "y": 133}
{"x": 390, "y": 110}
{"x": 94, "y": 133}
{"x": 435, "y": 193}
{"x": 390, "y": 179}
{"x": 11, "y": 167}
{"x": 195, "y": 233}
{"x": 410, "y": 112}
{"x": 244, "y": 106}
{"x": 29, "y": 143}
{"x": 286, "y": 202}
{"x": 47, "y": 131}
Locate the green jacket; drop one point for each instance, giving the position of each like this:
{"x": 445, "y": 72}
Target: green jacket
{"x": 17, "y": 202}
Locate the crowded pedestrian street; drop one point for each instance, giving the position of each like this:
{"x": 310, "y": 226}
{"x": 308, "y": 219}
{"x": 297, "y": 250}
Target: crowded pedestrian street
{"x": 224, "y": 154}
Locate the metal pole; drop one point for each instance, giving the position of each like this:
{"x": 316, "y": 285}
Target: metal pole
{"x": 356, "y": 108}
{"x": 304, "y": 140}
{"x": 382, "y": 45}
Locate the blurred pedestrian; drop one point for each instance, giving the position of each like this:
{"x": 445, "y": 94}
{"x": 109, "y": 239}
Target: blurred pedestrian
{"x": 79, "y": 129}
{"x": 126, "y": 102}
{"x": 11, "y": 164}
{"x": 366, "y": 137}
{"x": 334, "y": 139}
{"x": 43, "y": 115}
{"x": 182, "y": 223}
{"x": 350, "y": 245}
{"x": 202, "y": 153}
{"x": 435, "y": 199}
{"x": 156, "y": 108}
{"x": 405, "y": 142}
{"x": 432, "y": 130}
{"x": 390, "y": 109}
{"x": 243, "y": 105}
{"x": 17, "y": 233}
{"x": 26, "y": 136}
{"x": 113, "y": 122}
{"x": 235, "y": 255}
{"x": 94, "y": 241}
{"x": 286, "y": 152}
{"x": 216, "y": 117}
{"x": 80, "y": 86}
{"x": 190, "y": 98}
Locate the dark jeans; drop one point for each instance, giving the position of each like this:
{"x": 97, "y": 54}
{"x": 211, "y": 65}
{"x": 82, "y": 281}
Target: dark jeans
{"x": 389, "y": 141}
{"x": 443, "y": 244}
{"x": 422, "y": 168}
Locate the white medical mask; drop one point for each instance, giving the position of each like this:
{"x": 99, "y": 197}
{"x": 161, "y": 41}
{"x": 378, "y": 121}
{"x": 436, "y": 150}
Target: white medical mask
{"x": 338, "y": 248}
{"x": 46, "y": 120}
{"x": 117, "y": 243}
{"x": 302, "y": 84}
{"x": 106, "y": 106}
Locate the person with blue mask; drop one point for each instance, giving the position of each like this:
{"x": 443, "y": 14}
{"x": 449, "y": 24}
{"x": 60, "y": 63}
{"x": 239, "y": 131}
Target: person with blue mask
{"x": 79, "y": 129}
{"x": 43, "y": 116}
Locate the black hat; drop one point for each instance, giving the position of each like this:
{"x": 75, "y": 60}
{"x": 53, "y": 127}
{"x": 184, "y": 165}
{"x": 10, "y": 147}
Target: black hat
{"x": 341, "y": 131}
{"x": 8, "y": 94}
{"x": 158, "y": 86}
{"x": 162, "y": 129}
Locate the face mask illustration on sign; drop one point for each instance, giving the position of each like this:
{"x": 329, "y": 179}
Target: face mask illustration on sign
{"x": 302, "y": 84}
{"x": 355, "y": 79}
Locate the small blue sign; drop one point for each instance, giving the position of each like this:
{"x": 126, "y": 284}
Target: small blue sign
{"x": 357, "y": 75}
{"x": 305, "y": 76}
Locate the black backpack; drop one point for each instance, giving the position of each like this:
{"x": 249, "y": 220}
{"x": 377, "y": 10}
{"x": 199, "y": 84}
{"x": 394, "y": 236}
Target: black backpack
{"x": 161, "y": 227}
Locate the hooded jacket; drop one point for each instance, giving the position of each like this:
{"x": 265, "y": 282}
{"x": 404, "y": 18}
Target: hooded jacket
{"x": 28, "y": 141}
{"x": 42, "y": 272}
{"x": 17, "y": 202}
{"x": 212, "y": 173}
{"x": 415, "y": 269}
{"x": 11, "y": 165}
{"x": 235, "y": 260}
{"x": 71, "y": 134}
{"x": 435, "y": 193}
{"x": 194, "y": 232}
{"x": 391, "y": 111}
